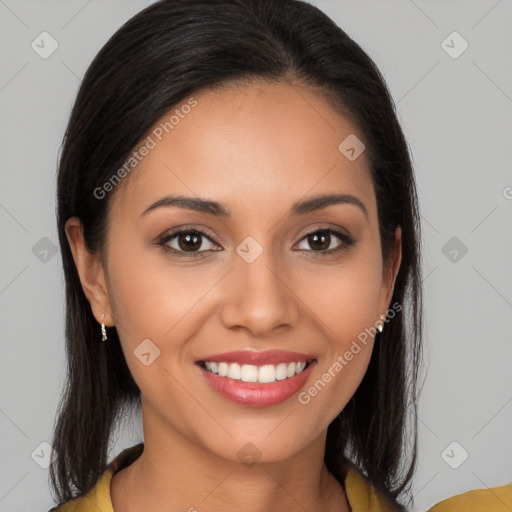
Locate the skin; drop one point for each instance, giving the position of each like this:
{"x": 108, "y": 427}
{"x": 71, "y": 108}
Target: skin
{"x": 257, "y": 150}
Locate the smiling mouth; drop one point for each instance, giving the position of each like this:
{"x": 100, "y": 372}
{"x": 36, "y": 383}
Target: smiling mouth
{"x": 262, "y": 374}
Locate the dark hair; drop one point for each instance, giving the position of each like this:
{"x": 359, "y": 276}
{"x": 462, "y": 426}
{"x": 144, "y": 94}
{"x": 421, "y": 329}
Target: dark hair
{"x": 157, "y": 59}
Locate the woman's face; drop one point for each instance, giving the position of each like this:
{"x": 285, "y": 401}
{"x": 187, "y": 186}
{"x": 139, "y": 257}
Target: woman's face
{"x": 255, "y": 281}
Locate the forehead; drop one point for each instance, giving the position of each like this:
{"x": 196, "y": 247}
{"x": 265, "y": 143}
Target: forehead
{"x": 260, "y": 145}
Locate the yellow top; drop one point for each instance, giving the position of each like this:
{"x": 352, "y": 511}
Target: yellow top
{"x": 361, "y": 495}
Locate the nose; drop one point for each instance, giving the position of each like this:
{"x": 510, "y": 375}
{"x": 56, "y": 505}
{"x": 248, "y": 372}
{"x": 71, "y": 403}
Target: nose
{"x": 258, "y": 297}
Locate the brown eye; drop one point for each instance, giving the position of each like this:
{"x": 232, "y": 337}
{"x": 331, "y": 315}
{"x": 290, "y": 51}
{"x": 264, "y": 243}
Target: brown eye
{"x": 321, "y": 240}
{"x": 187, "y": 243}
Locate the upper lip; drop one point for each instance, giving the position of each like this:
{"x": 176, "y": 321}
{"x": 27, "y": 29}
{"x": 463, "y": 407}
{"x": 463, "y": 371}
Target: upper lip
{"x": 257, "y": 358}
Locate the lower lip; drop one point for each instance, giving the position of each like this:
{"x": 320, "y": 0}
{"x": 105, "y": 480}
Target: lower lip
{"x": 254, "y": 394}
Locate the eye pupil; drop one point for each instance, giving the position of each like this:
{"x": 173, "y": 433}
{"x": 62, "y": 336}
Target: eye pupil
{"x": 314, "y": 238}
{"x": 193, "y": 240}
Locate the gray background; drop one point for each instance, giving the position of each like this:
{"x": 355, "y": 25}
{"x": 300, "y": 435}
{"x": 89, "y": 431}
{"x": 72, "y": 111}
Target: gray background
{"x": 457, "y": 116}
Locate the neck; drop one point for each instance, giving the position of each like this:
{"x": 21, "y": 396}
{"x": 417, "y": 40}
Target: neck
{"x": 175, "y": 473}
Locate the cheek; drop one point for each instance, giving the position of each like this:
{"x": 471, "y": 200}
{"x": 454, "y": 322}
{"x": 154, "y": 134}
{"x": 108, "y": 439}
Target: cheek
{"x": 345, "y": 298}
{"x": 158, "y": 307}
{"x": 153, "y": 309}
{"x": 345, "y": 301}
{"x": 346, "y": 308}
{"x": 151, "y": 296}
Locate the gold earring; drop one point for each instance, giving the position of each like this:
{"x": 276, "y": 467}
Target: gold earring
{"x": 103, "y": 330}
{"x": 380, "y": 327}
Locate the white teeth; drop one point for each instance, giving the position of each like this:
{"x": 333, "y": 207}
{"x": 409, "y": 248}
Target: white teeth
{"x": 249, "y": 373}
{"x": 300, "y": 367}
{"x": 281, "y": 371}
{"x": 267, "y": 373}
{"x": 234, "y": 371}
{"x": 223, "y": 369}
{"x": 252, "y": 373}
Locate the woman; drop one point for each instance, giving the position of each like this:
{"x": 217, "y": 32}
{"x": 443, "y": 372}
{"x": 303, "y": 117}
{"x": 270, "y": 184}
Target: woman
{"x": 239, "y": 228}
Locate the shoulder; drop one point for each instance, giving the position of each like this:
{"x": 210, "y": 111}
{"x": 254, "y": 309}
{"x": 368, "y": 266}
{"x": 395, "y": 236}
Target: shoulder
{"x": 98, "y": 498}
{"x": 492, "y": 499}
{"x": 365, "y": 497}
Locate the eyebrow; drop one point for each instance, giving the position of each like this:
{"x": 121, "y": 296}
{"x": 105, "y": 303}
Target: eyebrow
{"x": 220, "y": 210}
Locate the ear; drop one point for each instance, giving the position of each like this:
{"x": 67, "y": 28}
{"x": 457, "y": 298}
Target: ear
{"x": 391, "y": 271}
{"x": 91, "y": 272}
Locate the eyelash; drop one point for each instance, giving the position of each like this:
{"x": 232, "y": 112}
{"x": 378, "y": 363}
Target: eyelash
{"x": 347, "y": 242}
